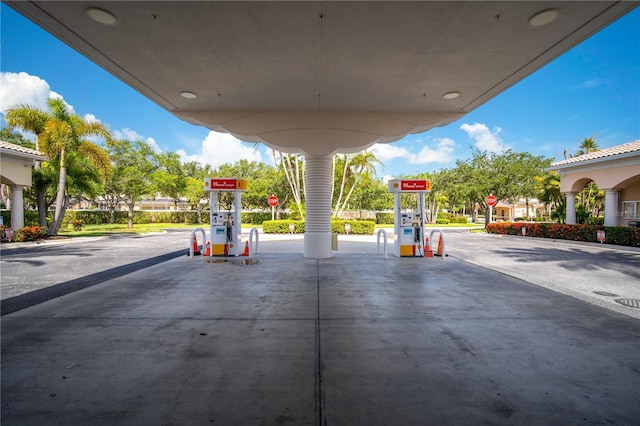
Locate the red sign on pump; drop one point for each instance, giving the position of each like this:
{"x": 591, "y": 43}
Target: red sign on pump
{"x": 413, "y": 185}
{"x": 225, "y": 184}
{"x": 409, "y": 185}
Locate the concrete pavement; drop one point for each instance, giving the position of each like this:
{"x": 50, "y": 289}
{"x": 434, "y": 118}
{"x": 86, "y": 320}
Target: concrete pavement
{"x": 355, "y": 339}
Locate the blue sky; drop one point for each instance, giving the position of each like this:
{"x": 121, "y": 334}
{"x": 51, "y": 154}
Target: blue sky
{"x": 593, "y": 89}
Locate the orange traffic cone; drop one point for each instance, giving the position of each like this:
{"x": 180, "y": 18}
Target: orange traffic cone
{"x": 440, "y": 249}
{"x": 196, "y": 249}
{"x": 427, "y": 248}
{"x": 246, "y": 249}
{"x": 207, "y": 250}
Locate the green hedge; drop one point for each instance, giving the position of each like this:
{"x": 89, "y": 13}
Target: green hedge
{"x": 358, "y": 227}
{"x": 460, "y": 219}
{"x": 282, "y": 226}
{"x": 618, "y": 235}
{"x": 99, "y": 217}
{"x": 256, "y": 218}
{"x": 384, "y": 218}
{"x": 30, "y": 218}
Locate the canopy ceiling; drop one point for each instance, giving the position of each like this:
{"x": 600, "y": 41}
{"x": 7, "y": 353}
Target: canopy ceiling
{"x": 321, "y": 77}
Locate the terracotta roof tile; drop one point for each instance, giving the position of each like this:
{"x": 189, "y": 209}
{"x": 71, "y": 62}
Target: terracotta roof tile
{"x": 19, "y": 148}
{"x": 607, "y": 152}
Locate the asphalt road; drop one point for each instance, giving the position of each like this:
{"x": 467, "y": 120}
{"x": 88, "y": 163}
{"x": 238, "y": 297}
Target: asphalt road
{"x": 37, "y": 271}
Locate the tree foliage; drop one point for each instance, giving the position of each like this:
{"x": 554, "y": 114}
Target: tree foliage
{"x": 133, "y": 166}
{"x": 63, "y": 138}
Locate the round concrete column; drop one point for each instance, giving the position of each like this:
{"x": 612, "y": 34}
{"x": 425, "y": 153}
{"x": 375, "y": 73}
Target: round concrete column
{"x": 571, "y": 208}
{"x": 610, "y": 207}
{"x": 317, "y": 183}
{"x": 17, "y": 207}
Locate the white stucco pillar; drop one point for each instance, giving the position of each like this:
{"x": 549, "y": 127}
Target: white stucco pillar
{"x": 610, "y": 207}
{"x": 571, "y": 208}
{"x": 17, "y": 207}
{"x": 317, "y": 183}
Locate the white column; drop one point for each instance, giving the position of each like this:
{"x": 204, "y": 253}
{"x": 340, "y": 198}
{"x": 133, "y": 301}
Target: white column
{"x": 317, "y": 234}
{"x": 17, "y": 207}
{"x": 396, "y": 222}
{"x": 610, "y": 207}
{"x": 570, "y": 208}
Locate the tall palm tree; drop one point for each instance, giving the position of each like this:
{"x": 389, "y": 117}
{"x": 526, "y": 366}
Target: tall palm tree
{"x": 356, "y": 166}
{"x": 30, "y": 119}
{"x": 65, "y": 134}
{"x": 60, "y": 135}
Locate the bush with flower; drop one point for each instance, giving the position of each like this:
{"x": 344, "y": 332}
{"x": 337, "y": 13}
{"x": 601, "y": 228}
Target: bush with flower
{"x": 29, "y": 233}
{"x": 619, "y": 235}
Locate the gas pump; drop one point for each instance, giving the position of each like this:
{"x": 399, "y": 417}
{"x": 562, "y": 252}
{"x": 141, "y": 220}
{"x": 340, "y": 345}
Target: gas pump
{"x": 409, "y": 226}
{"x": 225, "y": 226}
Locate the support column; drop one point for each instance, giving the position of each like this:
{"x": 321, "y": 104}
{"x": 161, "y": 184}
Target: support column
{"x": 570, "y": 208}
{"x": 17, "y": 207}
{"x": 317, "y": 183}
{"x": 610, "y": 207}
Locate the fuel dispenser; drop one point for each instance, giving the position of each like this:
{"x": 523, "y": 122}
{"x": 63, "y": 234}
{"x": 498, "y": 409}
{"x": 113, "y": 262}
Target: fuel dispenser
{"x": 226, "y": 226}
{"x": 409, "y": 227}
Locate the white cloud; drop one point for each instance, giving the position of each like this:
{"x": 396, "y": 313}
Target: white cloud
{"x": 386, "y": 152}
{"x": 441, "y": 153}
{"x": 485, "y": 139}
{"x": 90, "y": 118}
{"x": 132, "y": 135}
{"x": 22, "y": 88}
{"x": 220, "y": 148}
{"x": 25, "y": 89}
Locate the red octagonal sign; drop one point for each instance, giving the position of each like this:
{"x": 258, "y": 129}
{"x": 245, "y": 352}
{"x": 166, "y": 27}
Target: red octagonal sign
{"x": 273, "y": 201}
{"x": 492, "y": 200}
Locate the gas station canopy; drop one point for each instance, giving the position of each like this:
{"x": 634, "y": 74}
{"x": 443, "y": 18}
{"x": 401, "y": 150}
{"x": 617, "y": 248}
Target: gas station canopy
{"x": 321, "y": 77}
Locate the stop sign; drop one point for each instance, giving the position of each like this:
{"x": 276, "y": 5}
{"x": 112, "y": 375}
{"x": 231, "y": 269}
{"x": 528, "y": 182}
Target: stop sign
{"x": 492, "y": 200}
{"x": 273, "y": 201}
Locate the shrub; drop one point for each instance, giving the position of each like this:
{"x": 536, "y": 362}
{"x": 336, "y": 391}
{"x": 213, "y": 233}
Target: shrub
{"x": 77, "y": 224}
{"x": 619, "y": 235}
{"x": 358, "y": 227}
{"x": 282, "y": 226}
{"x": 30, "y": 218}
{"x": 256, "y": 218}
{"x": 384, "y": 218}
{"x": 595, "y": 220}
{"x": 29, "y": 233}
{"x": 442, "y": 221}
{"x": 459, "y": 219}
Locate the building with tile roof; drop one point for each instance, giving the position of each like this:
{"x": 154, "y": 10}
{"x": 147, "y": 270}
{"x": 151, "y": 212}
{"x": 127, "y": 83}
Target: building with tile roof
{"x": 16, "y": 163}
{"x": 616, "y": 171}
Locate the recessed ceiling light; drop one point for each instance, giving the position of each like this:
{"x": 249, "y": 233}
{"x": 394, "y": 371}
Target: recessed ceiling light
{"x": 102, "y": 16}
{"x": 451, "y": 95}
{"x": 544, "y": 17}
{"x": 188, "y": 95}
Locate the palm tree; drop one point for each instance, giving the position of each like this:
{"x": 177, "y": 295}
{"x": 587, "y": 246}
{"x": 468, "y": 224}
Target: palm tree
{"x": 61, "y": 135}
{"x": 588, "y": 145}
{"x": 548, "y": 187}
{"x": 32, "y": 120}
{"x": 65, "y": 135}
{"x": 356, "y": 166}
